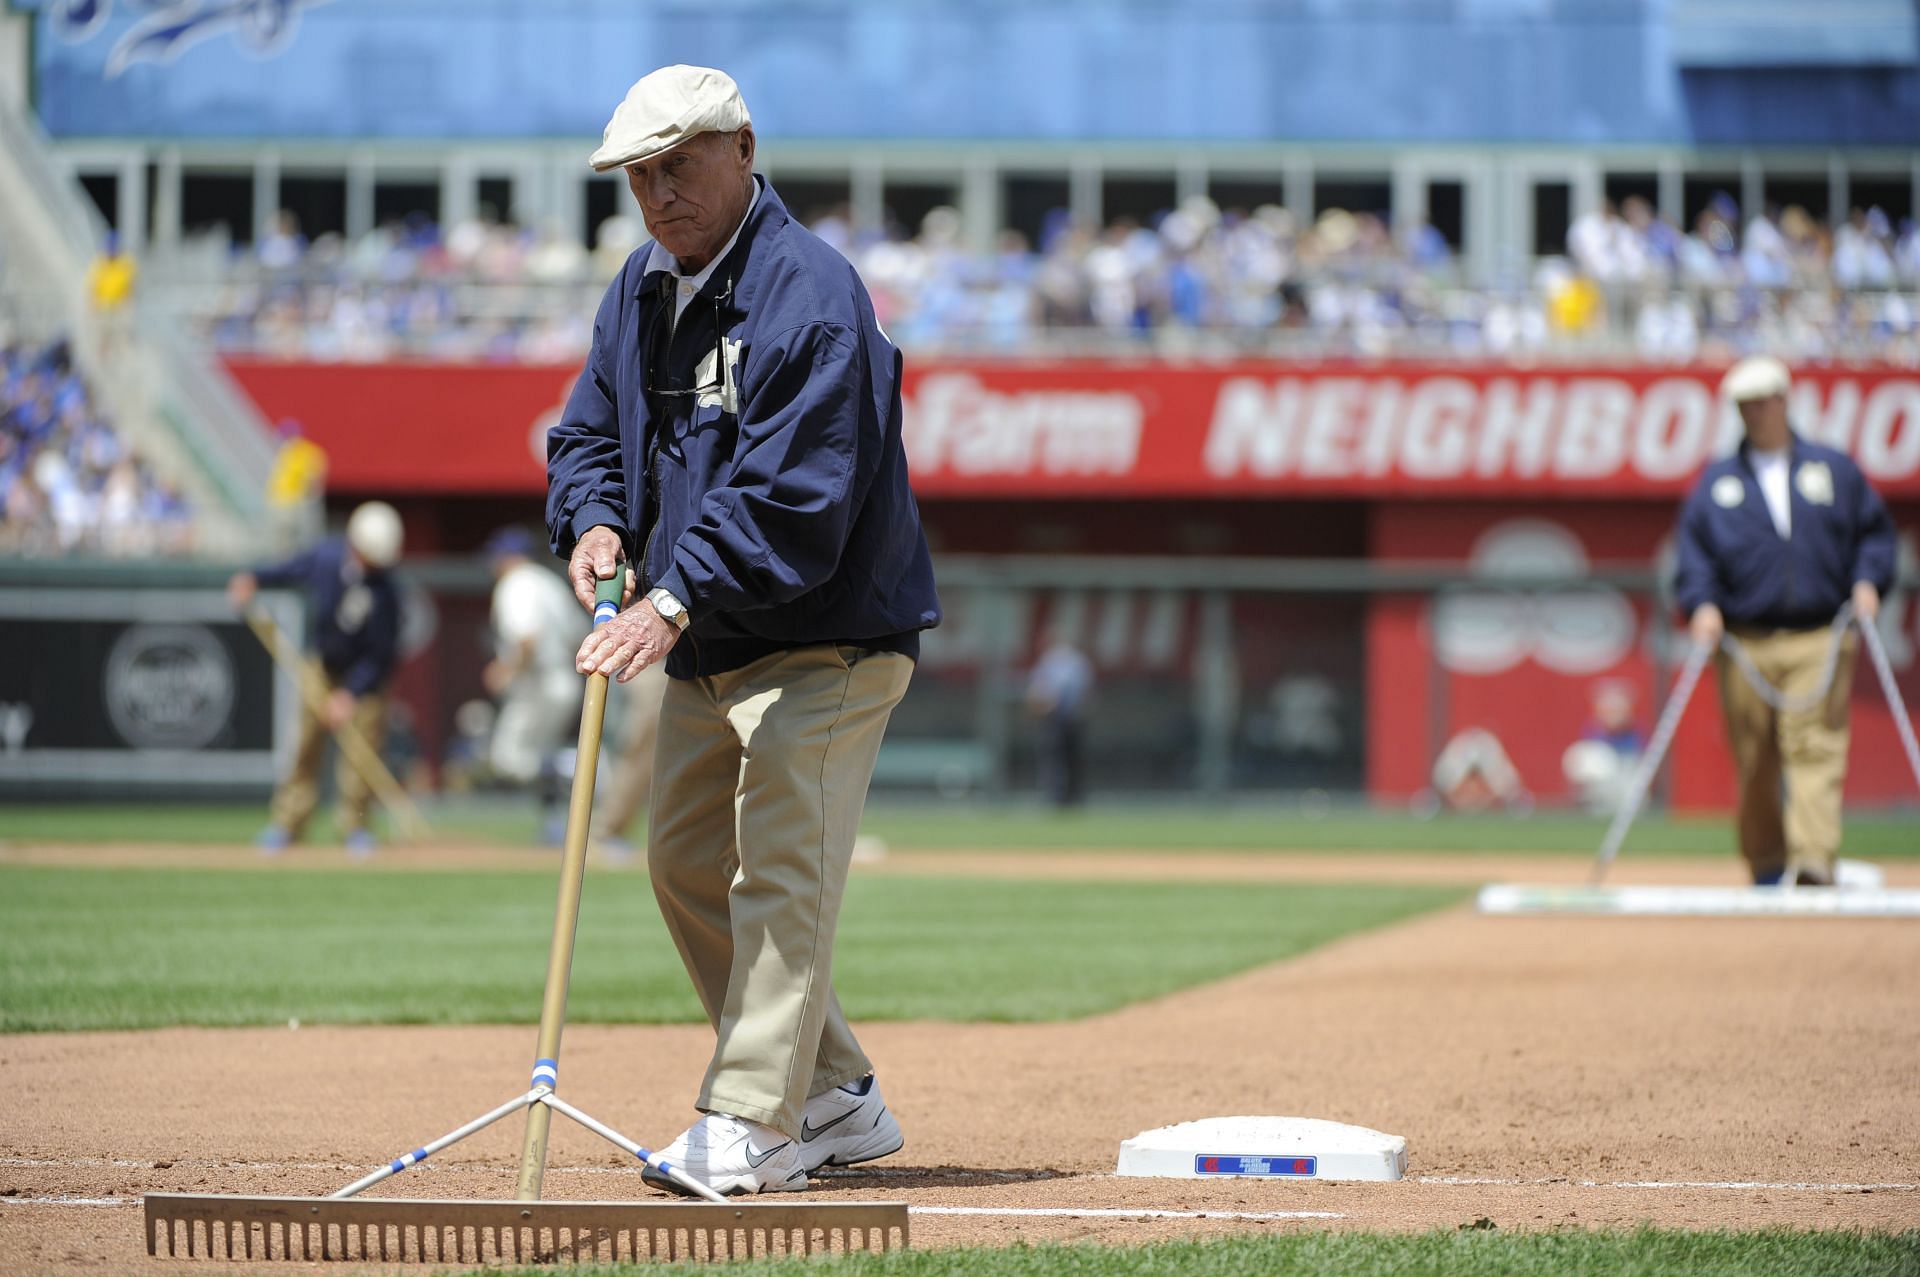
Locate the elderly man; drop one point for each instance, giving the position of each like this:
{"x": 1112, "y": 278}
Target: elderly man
{"x": 1772, "y": 541}
{"x": 733, "y": 446}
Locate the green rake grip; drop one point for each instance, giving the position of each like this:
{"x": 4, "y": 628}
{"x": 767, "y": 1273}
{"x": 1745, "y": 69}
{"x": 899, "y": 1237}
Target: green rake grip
{"x": 573, "y": 868}
{"x": 606, "y": 595}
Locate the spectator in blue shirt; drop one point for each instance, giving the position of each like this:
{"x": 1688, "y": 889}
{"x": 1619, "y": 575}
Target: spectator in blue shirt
{"x": 1059, "y": 694}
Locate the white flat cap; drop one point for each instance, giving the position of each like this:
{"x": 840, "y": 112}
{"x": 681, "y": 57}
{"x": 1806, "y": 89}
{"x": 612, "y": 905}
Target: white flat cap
{"x": 375, "y": 533}
{"x": 1756, "y": 377}
{"x": 665, "y": 108}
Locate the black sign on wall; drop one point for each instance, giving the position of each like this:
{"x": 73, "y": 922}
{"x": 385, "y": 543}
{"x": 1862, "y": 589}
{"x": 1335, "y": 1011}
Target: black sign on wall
{"x": 139, "y": 687}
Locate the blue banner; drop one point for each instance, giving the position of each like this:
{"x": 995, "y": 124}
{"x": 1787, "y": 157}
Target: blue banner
{"x": 1388, "y": 71}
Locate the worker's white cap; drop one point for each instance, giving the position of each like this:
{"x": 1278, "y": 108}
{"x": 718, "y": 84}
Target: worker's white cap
{"x": 667, "y": 107}
{"x": 374, "y": 532}
{"x": 1756, "y": 377}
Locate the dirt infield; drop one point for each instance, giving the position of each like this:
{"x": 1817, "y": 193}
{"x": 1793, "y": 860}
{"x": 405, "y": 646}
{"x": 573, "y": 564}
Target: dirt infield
{"x": 1694, "y": 1073}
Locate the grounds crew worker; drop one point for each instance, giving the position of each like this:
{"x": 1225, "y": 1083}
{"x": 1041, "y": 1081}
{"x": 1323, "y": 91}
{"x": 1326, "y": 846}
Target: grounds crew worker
{"x": 1772, "y": 541}
{"x": 735, "y": 437}
{"x": 355, "y": 623}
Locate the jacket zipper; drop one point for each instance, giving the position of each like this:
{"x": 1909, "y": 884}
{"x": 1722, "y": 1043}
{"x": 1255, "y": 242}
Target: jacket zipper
{"x": 653, "y": 466}
{"x": 1787, "y": 541}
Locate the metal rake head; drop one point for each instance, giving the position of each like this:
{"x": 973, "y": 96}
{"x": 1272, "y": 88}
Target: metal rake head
{"x": 398, "y": 1230}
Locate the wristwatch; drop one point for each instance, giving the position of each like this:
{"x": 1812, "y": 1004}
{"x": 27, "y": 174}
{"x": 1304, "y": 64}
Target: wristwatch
{"x": 669, "y": 608}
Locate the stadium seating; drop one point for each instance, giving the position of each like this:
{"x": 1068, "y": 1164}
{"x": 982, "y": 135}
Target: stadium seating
{"x": 1198, "y": 276}
{"x": 69, "y": 482}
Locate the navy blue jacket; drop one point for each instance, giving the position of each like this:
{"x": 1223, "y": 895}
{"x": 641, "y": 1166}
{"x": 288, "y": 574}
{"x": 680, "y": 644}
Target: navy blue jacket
{"x": 1730, "y": 554}
{"x": 784, "y": 522}
{"x": 355, "y": 618}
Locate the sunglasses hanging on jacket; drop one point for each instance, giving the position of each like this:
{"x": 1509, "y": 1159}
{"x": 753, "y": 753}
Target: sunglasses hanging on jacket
{"x": 715, "y": 379}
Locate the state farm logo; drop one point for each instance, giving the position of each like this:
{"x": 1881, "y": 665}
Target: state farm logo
{"x": 168, "y": 686}
{"x": 956, "y": 425}
{"x": 1579, "y": 630}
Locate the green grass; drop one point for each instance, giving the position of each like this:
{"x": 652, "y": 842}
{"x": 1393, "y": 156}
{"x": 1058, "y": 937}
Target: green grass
{"x": 137, "y": 948}
{"x": 1469, "y": 1252}
{"x": 237, "y": 824}
{"x": 1187, "y": 826}
{"x": 1232, "y": 827}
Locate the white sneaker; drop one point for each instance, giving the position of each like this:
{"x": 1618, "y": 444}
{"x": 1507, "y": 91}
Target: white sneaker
{"x": 733, "y": 1156}
{"x": 848, "y": 1124}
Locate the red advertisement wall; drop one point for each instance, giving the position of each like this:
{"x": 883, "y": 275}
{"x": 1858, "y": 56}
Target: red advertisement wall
{"x": 1524, "y": 664}
{"x": 1505, "y": 469}
{"x": 1153, "y": 429}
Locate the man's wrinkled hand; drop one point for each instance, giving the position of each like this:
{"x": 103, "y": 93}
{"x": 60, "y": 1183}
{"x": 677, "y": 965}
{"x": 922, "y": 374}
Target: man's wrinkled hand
{"x": 339, "y": 707}
{"x": 627, "y": 644}
{"x": 1707, "y": 626}
{"x": 597, "y": 555}
{"x": 1866, "y": 601}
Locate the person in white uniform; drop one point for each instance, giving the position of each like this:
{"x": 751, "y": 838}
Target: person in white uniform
{"x": 536, "y": 628}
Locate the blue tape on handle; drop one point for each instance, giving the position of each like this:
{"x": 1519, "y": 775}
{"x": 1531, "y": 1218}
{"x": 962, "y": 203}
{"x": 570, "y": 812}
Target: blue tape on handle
{"x": 605, "y": 611}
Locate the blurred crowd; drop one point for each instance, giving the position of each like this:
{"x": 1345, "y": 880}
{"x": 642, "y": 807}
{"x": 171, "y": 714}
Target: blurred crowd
{"x": 68, "y": 482}
{"x": 1784, "y": 282}
{"x": 1198, "y": 278}
{"x": 478, "y": 290}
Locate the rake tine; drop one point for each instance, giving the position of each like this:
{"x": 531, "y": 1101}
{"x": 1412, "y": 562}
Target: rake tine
{"x": 388, "y": 1231}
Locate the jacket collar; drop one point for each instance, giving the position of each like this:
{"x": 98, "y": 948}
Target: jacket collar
{"x": 1795, "y": 446}
{"x": 767, "y": 215}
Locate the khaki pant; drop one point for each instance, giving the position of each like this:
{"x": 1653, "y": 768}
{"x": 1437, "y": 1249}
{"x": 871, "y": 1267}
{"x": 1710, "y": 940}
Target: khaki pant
{"x": 758, "y": 788}
{"x": 294, "y": 801}
{"x": 1806, "y": 750}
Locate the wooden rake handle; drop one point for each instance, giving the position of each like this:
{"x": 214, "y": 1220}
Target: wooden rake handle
{"x": 354, "y": 747}
{"x": 566, "y": 917}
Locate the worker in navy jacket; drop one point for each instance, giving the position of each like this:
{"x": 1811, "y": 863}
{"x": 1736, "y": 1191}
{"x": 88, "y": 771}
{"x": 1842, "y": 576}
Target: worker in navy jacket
{"x": 733, "y": 447}
{"x": 354, "y": 610}
{"x": 1772, "y": 541}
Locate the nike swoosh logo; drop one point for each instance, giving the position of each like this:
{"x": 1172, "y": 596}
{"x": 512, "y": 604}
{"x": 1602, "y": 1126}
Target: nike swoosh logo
{"x": 808, "y": 1134}
{"x": 760, "y": 1160}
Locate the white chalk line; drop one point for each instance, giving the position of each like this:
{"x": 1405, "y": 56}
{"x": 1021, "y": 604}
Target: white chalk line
{"x": 1440, "y": 1181}
{"x": 1107, "y": 1212}
{"x": 443, "y": 1166}
{"x": 1464, "y": 1181}
{"x": 191, "y": 1163}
